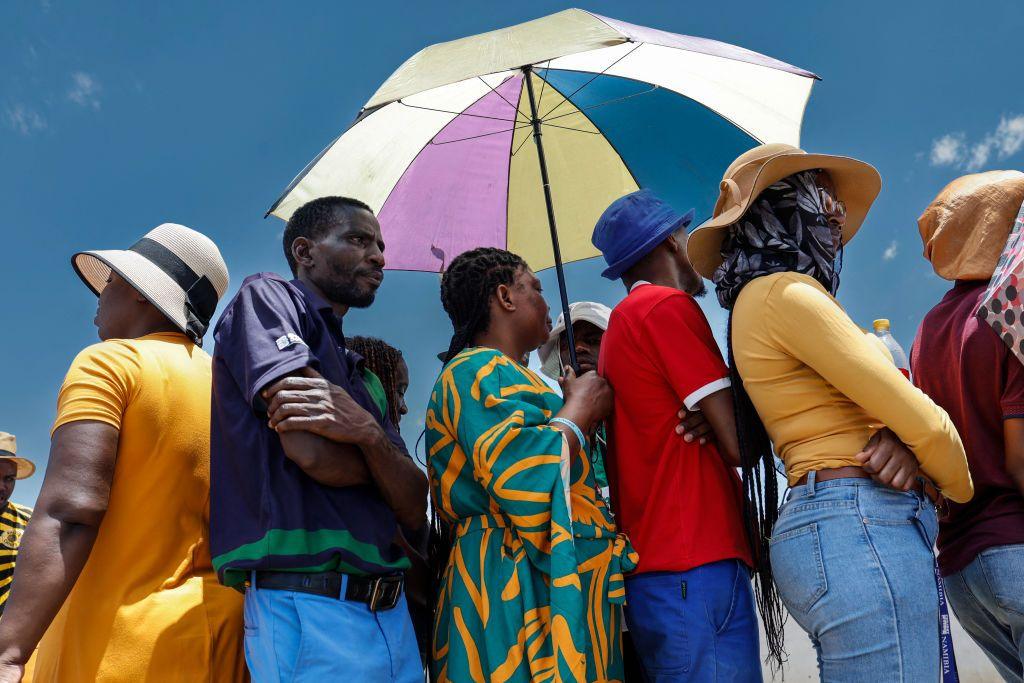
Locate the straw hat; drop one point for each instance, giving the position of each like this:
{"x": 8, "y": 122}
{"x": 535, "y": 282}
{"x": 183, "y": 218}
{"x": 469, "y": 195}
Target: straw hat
{"x": 179, "y": 270}
{"x": 964, "y": 230}
{"x": 587, "y": 311}
{"x": 857, "y": 184}
{"x": 9, "y": 452}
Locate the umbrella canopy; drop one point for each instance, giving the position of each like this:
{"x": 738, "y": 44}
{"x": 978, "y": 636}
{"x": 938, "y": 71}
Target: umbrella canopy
{"x": 1003, "y": 304}
{"x": 442, "y": 150}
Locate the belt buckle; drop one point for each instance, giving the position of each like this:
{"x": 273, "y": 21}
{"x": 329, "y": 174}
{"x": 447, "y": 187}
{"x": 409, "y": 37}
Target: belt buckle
{"x": 385, "y": 593}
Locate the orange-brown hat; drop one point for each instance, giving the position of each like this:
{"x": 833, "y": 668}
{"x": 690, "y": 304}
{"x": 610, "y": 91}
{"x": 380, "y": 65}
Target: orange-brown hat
{"x": 964, "y": 230}
{"x": 9, "y": 451}
{"x": 857, "y": 184}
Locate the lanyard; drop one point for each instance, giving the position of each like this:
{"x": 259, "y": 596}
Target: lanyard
{"x": 948, "y": 661}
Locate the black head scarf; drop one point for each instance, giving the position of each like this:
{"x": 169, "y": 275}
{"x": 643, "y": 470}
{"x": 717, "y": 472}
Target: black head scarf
{"x": 784, "y": 230}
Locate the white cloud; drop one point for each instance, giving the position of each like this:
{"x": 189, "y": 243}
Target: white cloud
{"x": 85, "y": 90}
{"x": 1005, "y": 141}
{"x": 890, "y": 252}
{"x": 948, "y": 149}
{"x": 23, "y": 120}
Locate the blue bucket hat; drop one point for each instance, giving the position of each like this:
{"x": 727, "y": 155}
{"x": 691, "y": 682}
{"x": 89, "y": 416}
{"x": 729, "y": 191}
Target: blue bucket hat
{"x": 631, "y": 227}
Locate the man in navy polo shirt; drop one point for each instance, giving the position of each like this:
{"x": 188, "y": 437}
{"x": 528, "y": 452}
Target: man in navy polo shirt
{"x": 309, "y": 477}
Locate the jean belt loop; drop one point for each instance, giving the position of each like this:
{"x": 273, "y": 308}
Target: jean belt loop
{"x": 252, "y": 580}
{"x": 812, "y": 478}
{"x": 344, "y": 586}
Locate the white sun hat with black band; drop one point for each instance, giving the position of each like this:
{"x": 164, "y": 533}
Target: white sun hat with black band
{"x": 179, "y": 270}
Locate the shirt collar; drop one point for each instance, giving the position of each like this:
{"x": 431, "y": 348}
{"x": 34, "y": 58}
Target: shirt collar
{"x": 637, "y": 284}
{"x": 325, "y": 309}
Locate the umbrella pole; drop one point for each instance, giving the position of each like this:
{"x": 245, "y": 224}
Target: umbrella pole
{"x": 559, "y": 271}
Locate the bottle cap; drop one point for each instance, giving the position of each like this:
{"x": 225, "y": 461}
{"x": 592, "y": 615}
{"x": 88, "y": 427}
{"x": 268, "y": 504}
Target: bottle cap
{"x": 881, "y": 325}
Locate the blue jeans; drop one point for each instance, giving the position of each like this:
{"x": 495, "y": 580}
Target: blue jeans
{"x": 292, "y": 637}
{"x": 697, "y": 625}
{"x": 987, "y": 597}
{"x": 853, "y": 564}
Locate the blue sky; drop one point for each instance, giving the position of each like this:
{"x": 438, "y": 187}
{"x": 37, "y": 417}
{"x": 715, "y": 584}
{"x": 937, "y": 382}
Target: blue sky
{"x": 115, "y": 117}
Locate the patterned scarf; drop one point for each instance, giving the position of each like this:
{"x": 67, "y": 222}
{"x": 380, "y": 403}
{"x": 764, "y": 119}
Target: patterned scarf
{"x": 784, "y": 230}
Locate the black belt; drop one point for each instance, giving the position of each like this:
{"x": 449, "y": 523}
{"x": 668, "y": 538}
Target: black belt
{"x": 379, "y": 593}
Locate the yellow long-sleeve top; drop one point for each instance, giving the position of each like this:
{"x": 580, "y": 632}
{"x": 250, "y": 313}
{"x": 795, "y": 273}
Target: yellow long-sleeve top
{"x": 823, "y": 389}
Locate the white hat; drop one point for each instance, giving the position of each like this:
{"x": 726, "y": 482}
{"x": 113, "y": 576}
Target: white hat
{"x": 179, "y": 270}
{"x": 586, "y": 311}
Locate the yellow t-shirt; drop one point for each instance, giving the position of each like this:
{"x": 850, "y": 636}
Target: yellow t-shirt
{"x": 822, "y": 388}
{"x": 147, "y": 606}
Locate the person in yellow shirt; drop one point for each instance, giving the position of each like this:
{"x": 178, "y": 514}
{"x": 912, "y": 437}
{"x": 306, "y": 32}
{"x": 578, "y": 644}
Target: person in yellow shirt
{"x": 851, "y": 549}
{"x": 115, "y": 565}
{"x": 13, "y": 517}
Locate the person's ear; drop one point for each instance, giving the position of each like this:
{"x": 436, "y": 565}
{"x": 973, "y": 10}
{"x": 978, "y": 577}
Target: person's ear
{"x": 301, "y": 248}
{"x": 673, "y": 244}
{"x": 503, "y": 295}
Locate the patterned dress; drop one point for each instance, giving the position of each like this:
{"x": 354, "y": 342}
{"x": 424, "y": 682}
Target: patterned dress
{"x": 533, "y": 590}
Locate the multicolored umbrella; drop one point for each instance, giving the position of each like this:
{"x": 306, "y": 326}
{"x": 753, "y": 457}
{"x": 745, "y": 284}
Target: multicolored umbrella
{"x": 1003, "y": 304}
{"x": 443, "y": 153}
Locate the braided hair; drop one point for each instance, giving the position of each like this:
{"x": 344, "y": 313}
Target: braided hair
{"x": 466, "y": 289}
{"x": 383, "y": 360}
{"x": 760, "y": 506}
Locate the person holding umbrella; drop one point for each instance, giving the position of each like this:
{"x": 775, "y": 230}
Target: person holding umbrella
{"x": 531, "y": 581}
{"x": 851, "y": 557}
{"x": 975, "y": 373}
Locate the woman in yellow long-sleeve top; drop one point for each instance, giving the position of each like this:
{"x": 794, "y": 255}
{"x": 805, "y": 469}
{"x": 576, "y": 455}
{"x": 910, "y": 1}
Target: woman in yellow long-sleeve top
{"x": 531, "y": 589}
{"x": 851, "y": 557}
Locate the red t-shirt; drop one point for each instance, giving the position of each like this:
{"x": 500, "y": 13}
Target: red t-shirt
{"x": 960, "y": 361}
{"x": 679, "y": 502}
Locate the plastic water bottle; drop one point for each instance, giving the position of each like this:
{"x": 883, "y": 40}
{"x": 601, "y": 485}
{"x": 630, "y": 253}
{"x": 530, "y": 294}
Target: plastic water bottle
{"x": 883, "y": 332}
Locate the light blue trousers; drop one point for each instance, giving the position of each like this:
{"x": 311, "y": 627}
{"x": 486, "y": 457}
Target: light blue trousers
{"x": 853, "y": 564}
{"x": 987, "y": 597}
{"x": 295, "y": 637}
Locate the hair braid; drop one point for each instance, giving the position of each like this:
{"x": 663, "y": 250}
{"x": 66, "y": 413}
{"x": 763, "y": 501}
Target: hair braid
{"x": 760, "y": 506}
{"x": 383, "y": 360}
{"x": 466, "y": 289}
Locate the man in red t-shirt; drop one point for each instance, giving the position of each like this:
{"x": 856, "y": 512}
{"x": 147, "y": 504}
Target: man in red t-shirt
{"x": 960, "y": 361}
{"x": 690, "y": 605}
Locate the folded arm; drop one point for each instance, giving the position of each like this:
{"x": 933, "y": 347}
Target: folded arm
{"x": 809, "y": 325}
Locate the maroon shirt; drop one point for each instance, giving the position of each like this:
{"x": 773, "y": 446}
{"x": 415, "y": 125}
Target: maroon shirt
{"x": 960, "y": 361}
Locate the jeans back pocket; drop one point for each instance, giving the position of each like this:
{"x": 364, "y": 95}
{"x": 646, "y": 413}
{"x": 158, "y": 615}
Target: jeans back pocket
{"x": 798, "y": 568}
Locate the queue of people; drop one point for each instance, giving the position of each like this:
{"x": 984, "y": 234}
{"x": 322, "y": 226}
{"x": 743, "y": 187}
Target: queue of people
{"x": 256, "y": 513}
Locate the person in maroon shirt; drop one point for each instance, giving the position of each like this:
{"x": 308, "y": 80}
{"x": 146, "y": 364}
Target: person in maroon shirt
{"x": 960, "y": 361}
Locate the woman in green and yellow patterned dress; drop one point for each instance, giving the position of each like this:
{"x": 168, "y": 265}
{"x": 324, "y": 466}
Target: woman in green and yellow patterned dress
{"x": 532, "y": 588}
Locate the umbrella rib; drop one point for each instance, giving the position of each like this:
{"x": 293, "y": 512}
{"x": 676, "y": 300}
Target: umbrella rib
{"x": 493, "y": 90}
{"x": 483, "y": 135}
{"x": 544, "y": 81}
{"x": 456, "y": 113}
{"x": 525, "y": 139}
{"x": 595, "y": 76}
{"x": 601, "y": 104}
{"x": 578, "y": 130}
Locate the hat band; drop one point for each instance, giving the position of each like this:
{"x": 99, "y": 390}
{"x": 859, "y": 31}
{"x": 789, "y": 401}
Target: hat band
{"x": 200, "y": 294}
{"x": 7, "y": 454}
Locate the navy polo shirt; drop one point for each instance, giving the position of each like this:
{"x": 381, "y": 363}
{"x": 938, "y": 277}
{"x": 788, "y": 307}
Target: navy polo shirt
{"x": 265, "y": 512}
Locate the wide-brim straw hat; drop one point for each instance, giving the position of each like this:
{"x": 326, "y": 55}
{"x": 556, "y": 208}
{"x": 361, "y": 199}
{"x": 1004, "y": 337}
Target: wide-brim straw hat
{"x": 857, "y": 185}
{"x": 179, "y": 270}
{"x": 595, "y": 313}
{"x": 964, "y": 230}
{"x": 9, "y": 452}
